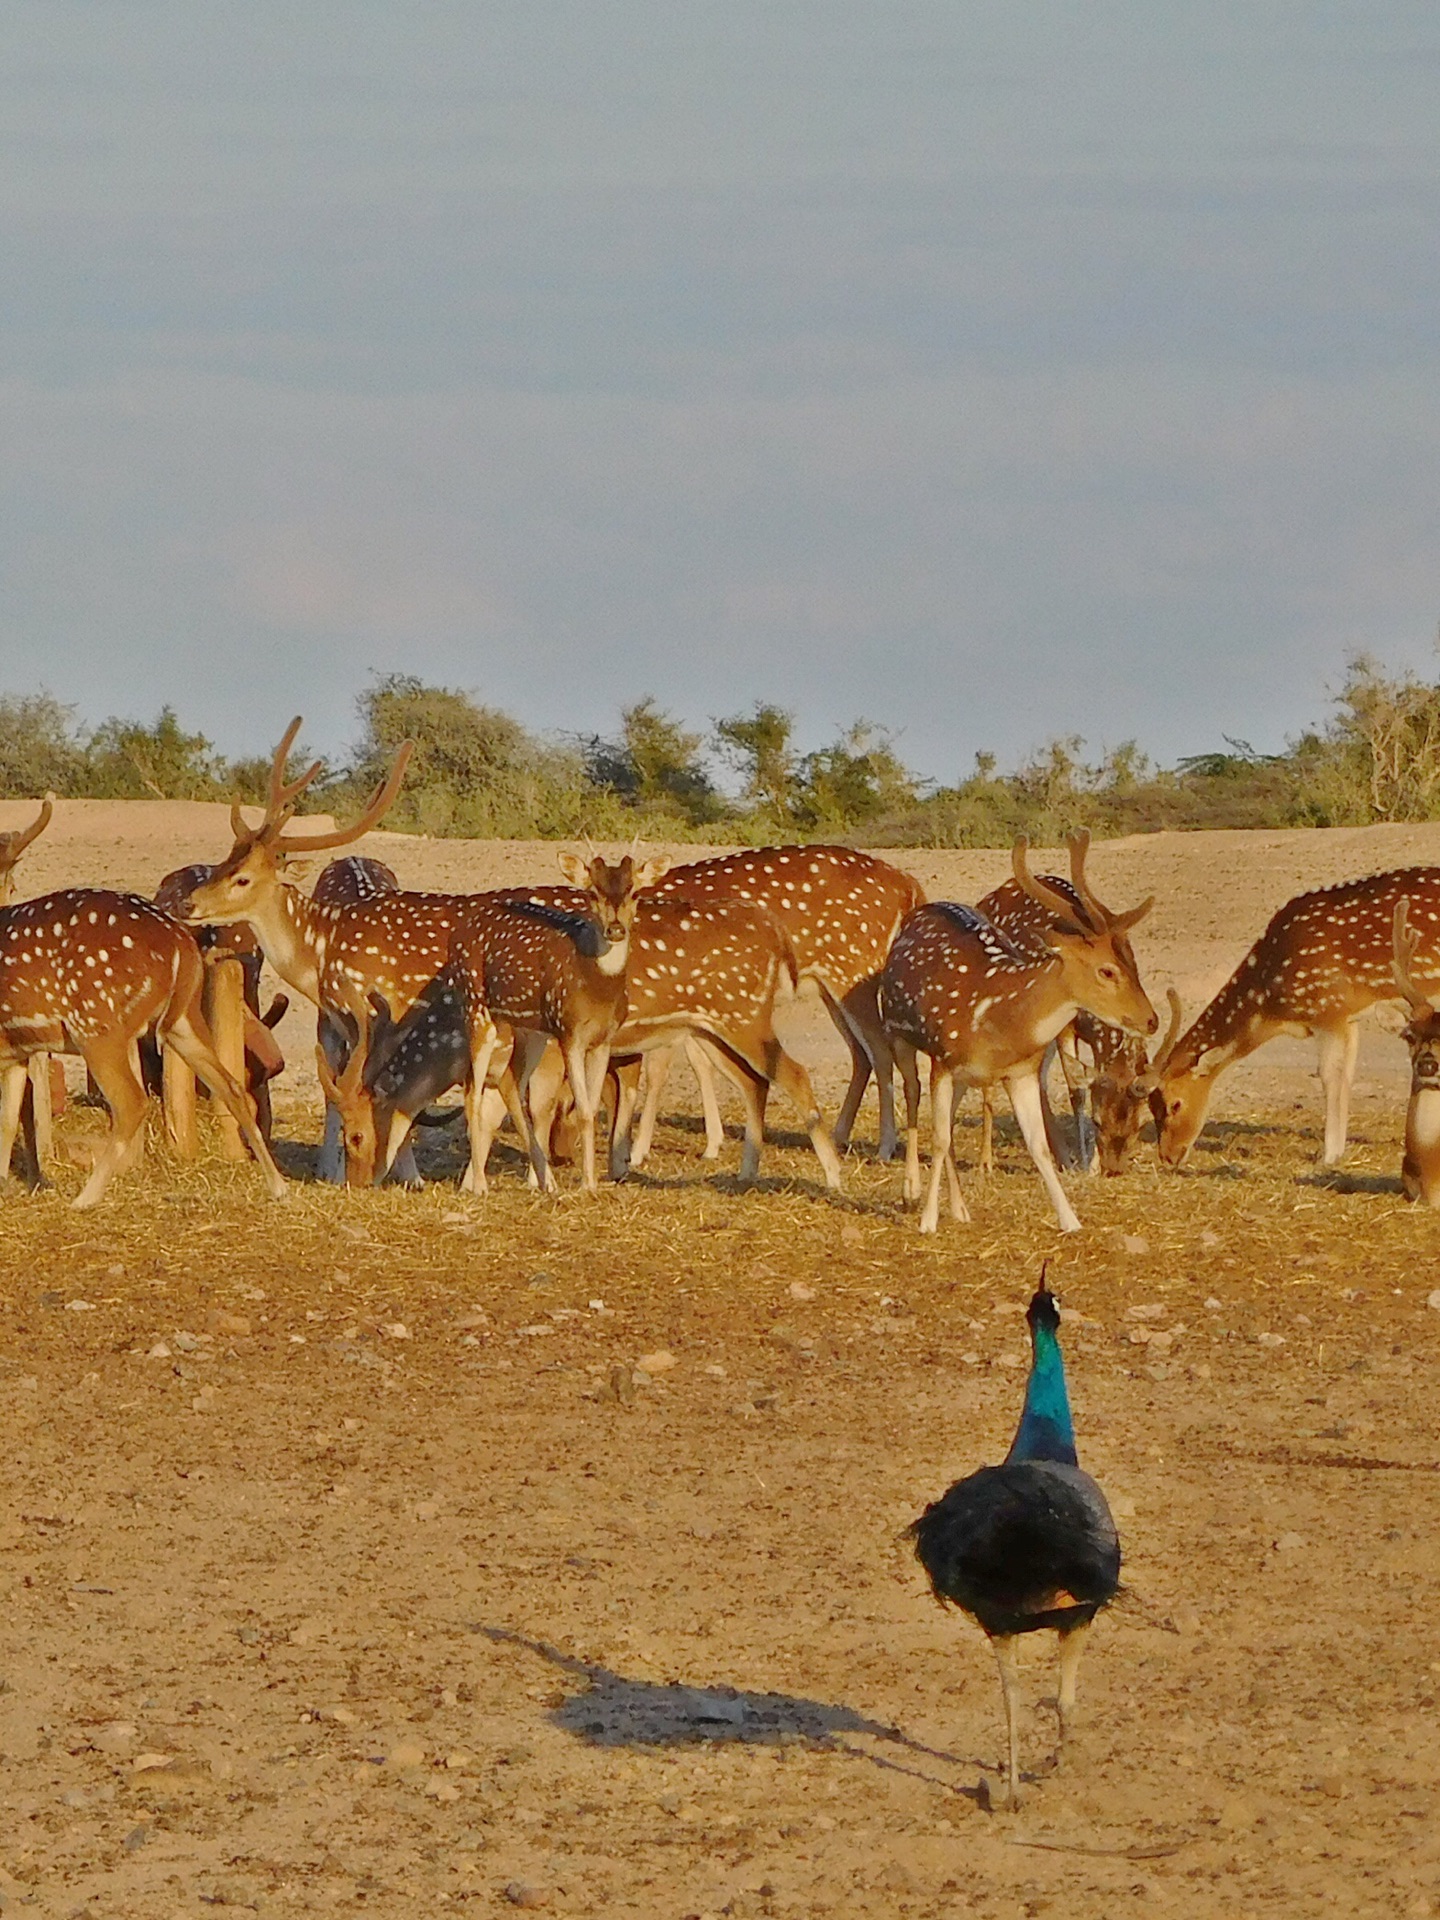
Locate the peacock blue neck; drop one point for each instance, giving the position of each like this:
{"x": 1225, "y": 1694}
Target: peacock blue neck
{"x": 1046, "y": 1431}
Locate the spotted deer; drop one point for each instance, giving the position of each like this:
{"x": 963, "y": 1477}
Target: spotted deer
{"x": 46, "y": 1091}
{"x": 250, "y": 1050}
{"x": 1323, "y": 960}
{"x": 88, "y": 971}
{"x": 360, "y": 939}
{"x": 984, "y": 1010}
{"x": 346, "y": 882}
{"x": 524, "y": 963}
{"x": 1420, "y": 1169}
{"x": 397, "y": 1067}
{"x": 709, "y": 970}
{"x": 840, "y": 910}
{"x": 1109, "y": 1073}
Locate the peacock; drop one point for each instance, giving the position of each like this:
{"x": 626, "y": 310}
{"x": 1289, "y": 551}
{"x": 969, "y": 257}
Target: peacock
{"x": 1031, "y": 1544}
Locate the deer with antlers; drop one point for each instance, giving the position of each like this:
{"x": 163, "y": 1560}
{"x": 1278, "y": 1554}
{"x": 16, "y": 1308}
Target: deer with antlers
{"x": 1322, "y": 961}
{"x": 840, "y": 910}
{"x": 365, "y": 940}
{"x": 984, "y": 1010}
{"x": 1420, "y": 1169}
{"x": 87, "y": 971}
{"x": 1110, "y": 1088}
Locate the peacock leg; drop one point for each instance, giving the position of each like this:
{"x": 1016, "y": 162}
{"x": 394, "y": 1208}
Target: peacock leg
{"x": 1072, "y": 1645}
{"x": 1007, "y": 1657}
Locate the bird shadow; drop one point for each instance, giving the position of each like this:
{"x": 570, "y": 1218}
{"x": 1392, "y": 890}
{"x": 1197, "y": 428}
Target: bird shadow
{"x": 610, "y": 1710}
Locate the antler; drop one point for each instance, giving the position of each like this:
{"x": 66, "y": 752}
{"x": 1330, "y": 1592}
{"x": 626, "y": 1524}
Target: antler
{"x": 1406, "y": 944}
{"x": 1079, "y": 845}
{"x": 1160, "y": 1060}
{"x": 1054, "y": 903}
{"x": 282, "y": 795}
{"x": 379, "y": 804}
{"x": 1105, "y": 920}
{"x": 14, "y": 844}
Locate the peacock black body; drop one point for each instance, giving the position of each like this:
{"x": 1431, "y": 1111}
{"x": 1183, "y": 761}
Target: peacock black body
{"x": 1029, "y": 1544}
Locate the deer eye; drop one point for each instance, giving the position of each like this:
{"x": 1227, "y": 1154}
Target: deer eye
{"x": 1109, "y": 974}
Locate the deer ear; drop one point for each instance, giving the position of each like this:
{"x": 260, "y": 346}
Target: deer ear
{"x": 575, "y": 870}
{"x": 297, "y": 869}
{"x": 650, "y": 873}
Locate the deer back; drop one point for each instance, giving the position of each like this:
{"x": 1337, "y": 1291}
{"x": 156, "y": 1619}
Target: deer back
{"x": 840, "y": 909}
{"x": 352, "y": 878}
{"x": 86, "y": 962}
{"x": 713, "y": 966}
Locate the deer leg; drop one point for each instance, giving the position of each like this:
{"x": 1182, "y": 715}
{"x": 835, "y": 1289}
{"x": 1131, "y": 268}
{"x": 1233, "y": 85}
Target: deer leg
{"x": 862, "y": 1011}
{"x": 1052, "y": 1131}
{"x": 699, "y": 1063}
{"x": 1338, "y": 1052}
{"x": 1077, "y": 1085}
{"x": 109, "y": 1060}
{"x": 910, "y": 1079}
{"x": 330, "y": 1161}
{"x": 794, "y": 1082}
{"x": 1024, "y": 1087}
{"x": 185, "y": 1033}
{"x": 541, "y": 1077}
{"x": 987, "y": 1132}
{"x": 41, "y": 1110}
{"x": 861, "y": 1068}
{"x": 14, "y": 1082}
{"x": 592, "y": 1063}
{"x": 474, "y": 1180}
{"x": 942, "y": 1117}
{"x": 626, "y": 1076}
{"x": 657, "y": 1072}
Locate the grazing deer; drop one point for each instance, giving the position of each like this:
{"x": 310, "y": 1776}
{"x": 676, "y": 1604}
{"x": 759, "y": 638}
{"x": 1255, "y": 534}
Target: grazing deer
{"x": 840, "y": 910}
{"x": 47, "y": 1086}
{"x": 984, "y": 1010}
{"x": 1123, "y": 1078}
{"x": 396, "y": 1068}
{"x": 521, "y": 962}
{"x": 1420, "y": 1169}
{"x": 347, "y": 882}
{"x": 1324, "y": 958}
{"x": 87, "y": 971}
{"x": 1109, "y": 1095}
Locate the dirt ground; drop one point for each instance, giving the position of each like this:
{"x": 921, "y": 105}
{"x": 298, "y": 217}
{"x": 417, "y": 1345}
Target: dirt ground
{"x": 412, "y": 1553}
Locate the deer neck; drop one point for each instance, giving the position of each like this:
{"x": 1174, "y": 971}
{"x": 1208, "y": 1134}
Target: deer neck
{"x": 616, "y": 957}
{"x": 292, "y": 935}
{"x": 1234, "y": 1024}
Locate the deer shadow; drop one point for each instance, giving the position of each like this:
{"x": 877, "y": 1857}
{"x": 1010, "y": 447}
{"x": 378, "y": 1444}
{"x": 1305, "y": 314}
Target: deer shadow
{"x": 612, "y": 1711}
{"x": 1337, "y": 1180}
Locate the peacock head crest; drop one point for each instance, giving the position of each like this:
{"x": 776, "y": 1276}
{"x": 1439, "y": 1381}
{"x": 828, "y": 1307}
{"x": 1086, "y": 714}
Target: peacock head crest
{"x": 1044, "y": 1308}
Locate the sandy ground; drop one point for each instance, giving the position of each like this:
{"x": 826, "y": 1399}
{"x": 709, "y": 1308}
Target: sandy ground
{"x": 354, "y": 1562}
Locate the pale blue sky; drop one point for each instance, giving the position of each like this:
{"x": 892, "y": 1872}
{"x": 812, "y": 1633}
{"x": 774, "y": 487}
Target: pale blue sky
{"x": 994, "y": 371}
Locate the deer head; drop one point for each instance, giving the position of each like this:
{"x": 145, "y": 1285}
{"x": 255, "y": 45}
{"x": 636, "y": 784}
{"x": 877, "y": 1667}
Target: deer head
{"x": 251, "y": 872}
{"x": 1091, "y": 942}
{"x": 1121, "y": 1091}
